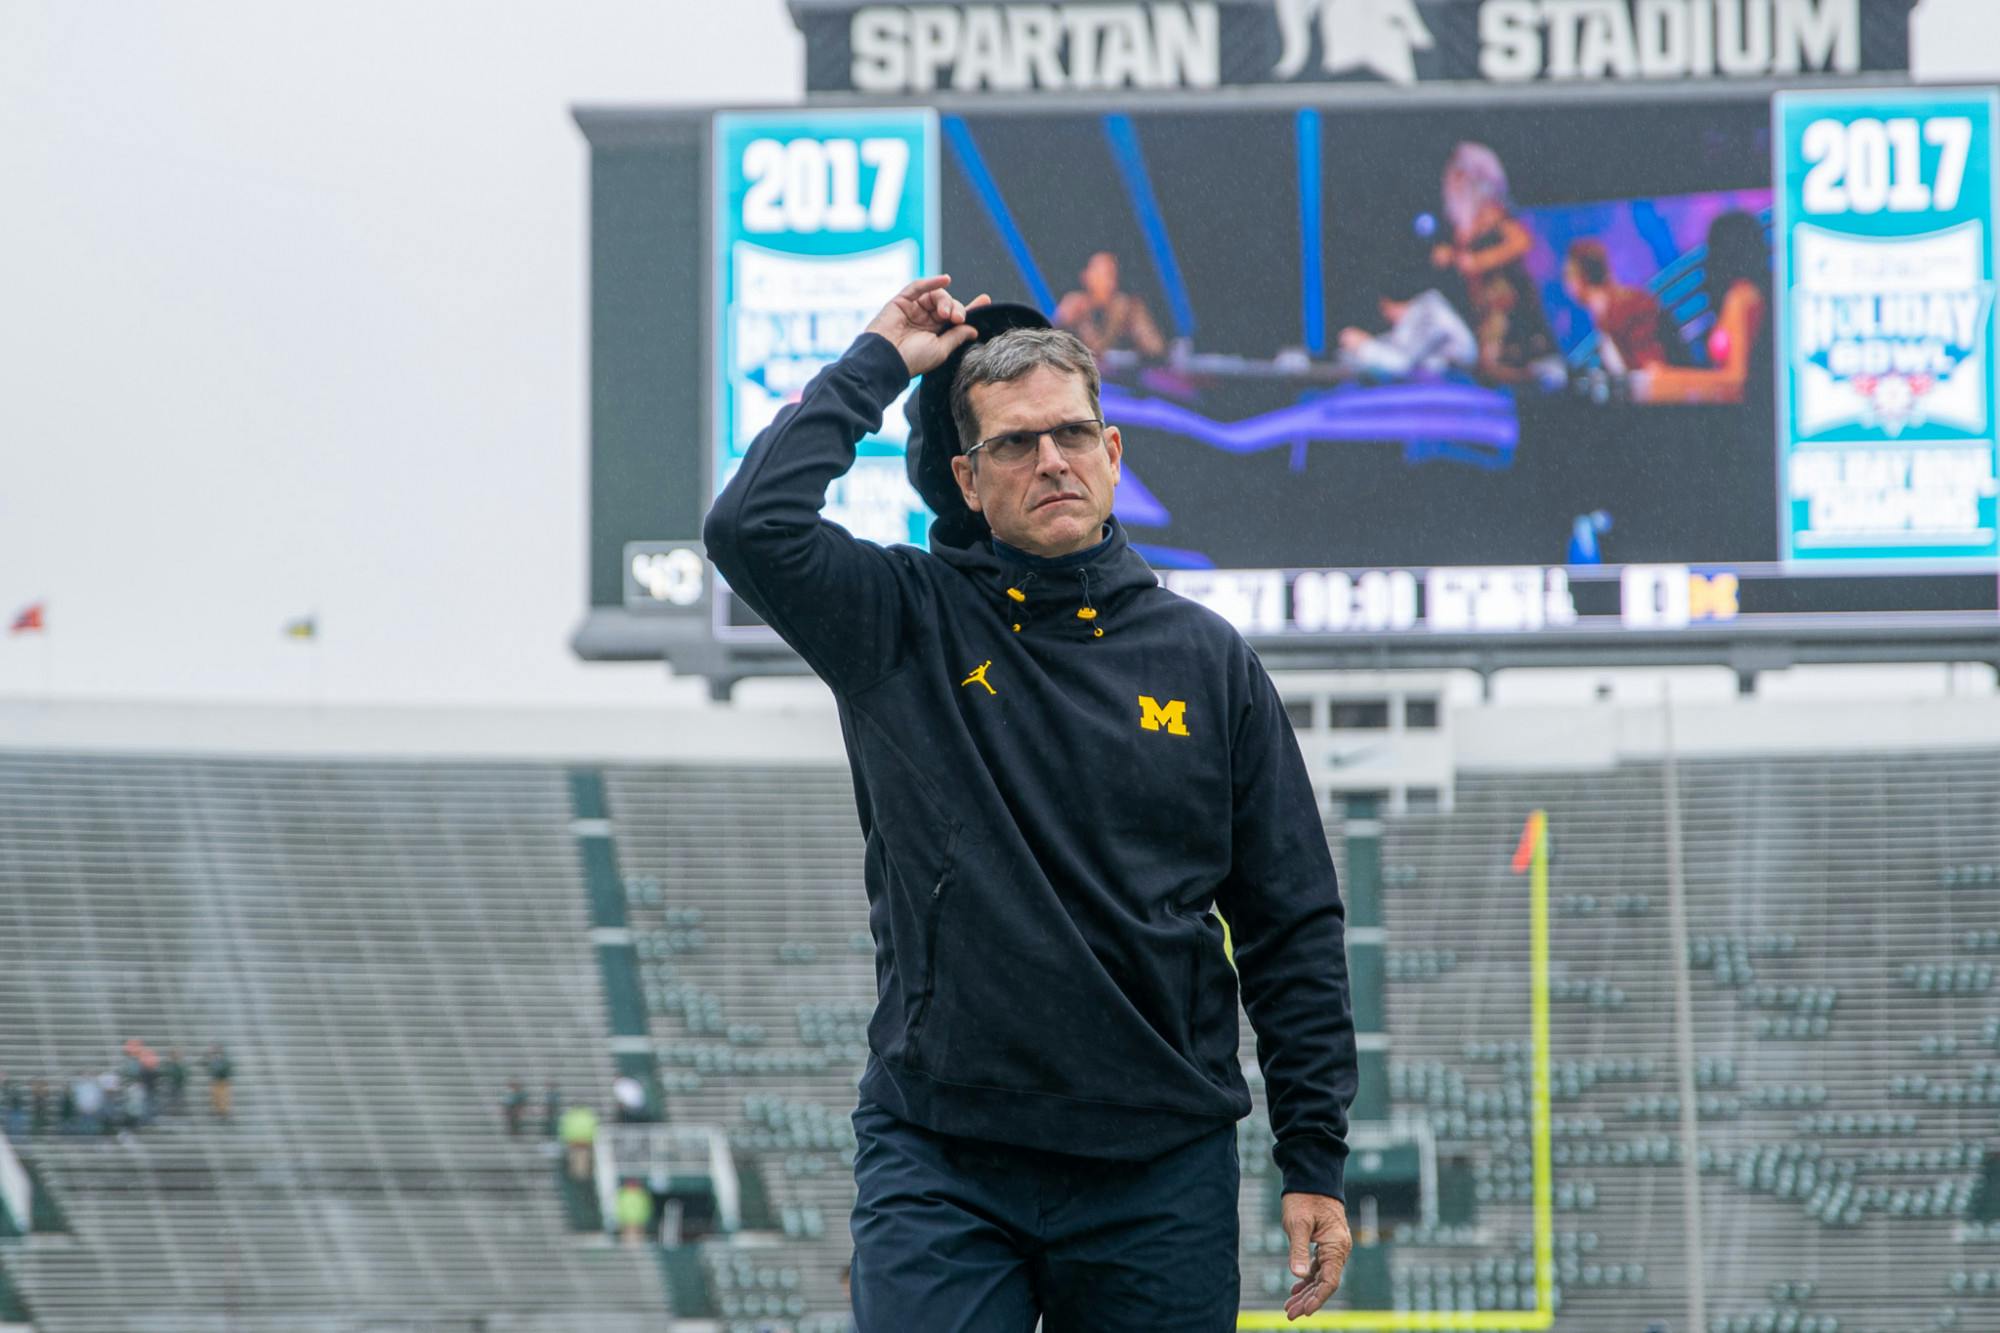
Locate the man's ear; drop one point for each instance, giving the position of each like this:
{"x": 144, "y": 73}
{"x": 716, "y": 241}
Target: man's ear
{"x": 1114, "y": 449}
{"x": 961, "y": 472}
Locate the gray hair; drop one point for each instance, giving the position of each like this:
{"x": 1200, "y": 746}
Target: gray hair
{"x": 1473, "y": 177}
{"x": 1009, "y": 357}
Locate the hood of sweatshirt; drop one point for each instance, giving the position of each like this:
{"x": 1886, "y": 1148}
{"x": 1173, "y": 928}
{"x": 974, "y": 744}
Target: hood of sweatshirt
{"x": 1078, "y": 595}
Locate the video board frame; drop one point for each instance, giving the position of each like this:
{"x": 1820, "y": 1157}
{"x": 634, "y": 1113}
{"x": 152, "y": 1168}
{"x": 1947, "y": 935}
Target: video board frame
{"x": 1678, "y": 625}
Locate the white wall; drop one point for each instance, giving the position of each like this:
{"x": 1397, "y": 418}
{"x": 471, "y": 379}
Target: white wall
{"x": 292, "y": 318}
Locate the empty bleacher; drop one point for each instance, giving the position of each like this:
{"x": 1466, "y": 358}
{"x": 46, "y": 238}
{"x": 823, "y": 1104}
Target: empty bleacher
{"x": 744, "y": 887}
{"x": 752, "y": 927}
{"x": 1843, "y": 1096}
{"x": 1844, "y": 1038}
{"x": 380, "y": 947}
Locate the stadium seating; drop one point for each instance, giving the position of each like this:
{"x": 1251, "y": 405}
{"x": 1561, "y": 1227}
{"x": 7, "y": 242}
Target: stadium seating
{"x": 1842, "y": 1102}
{"x": 1810, "y": 882}
{"x": 380, "y": 947}
{"x": 760, "y": 980}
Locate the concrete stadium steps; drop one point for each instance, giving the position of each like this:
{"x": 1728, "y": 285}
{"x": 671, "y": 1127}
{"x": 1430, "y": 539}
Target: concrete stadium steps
{"x": 380, "y": 946}
{"x": 771, "y": 858}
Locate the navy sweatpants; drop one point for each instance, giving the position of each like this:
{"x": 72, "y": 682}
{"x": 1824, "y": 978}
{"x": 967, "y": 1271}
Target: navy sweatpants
{"x": 959, "y": 1236}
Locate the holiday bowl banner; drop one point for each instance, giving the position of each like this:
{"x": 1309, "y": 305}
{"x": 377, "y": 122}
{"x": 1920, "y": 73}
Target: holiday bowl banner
{"x": 820, "y": 218}
{"x": 1886, "y": 379}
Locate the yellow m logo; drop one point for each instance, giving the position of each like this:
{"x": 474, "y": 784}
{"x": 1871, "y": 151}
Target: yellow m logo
{"x": 1712, "y": 597}
{"x": 1172, "y": 718}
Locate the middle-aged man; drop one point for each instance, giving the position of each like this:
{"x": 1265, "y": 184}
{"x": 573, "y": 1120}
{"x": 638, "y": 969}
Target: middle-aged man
{"x": 1061, "y": 767}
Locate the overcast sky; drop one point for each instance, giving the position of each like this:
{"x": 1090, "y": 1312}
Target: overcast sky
{"x": 293, "y": 306}
{"x": 292, "y": 318}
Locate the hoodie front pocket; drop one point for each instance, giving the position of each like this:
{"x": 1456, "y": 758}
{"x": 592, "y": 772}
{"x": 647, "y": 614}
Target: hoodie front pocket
{"x": 918, "y": 854}
{"x": 1213, "y": 1034}
{"x": 933, "y": 914}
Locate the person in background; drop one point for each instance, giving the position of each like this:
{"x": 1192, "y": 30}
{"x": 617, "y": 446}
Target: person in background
{"x": 42, "y": 1109}
{"x": 551, "y": 1110}
{"x": 221, "y": 1073}
{"x": 1488, "y": 249}
{"x": 1426, "y": 336}
{"x": 1503, "y": 357}
{"x": 175, "y": 1073}
{"x": 1738, "y": 285}
{"x": 635, "y": 1212}
{"x": 87, "y": 1097}
{"x": 137, "y": 1106}
{"x": 1104, "y": 318}
{"x": 1627, "y": 318}
{"x": 579, "y": 1136}
{"x": 70, "y": 1113}
{"x": 112, "y": 1089}
{"x": 630, "y": 1095}
{"x": 141, "y": 1066}
{"x": 13, "y": 1106}
{"x": 515, "y": 1108}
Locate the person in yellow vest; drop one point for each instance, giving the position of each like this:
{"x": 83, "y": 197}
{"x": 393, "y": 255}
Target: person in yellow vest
{"x": 579, "y": 1136}
{"x": 635, "y": 1212}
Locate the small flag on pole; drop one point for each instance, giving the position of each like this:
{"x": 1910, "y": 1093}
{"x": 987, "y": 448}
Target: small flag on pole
{"x": 33, "y": 619}
{"x": 305, "y": 628}
{"x": 1532, "y": 833}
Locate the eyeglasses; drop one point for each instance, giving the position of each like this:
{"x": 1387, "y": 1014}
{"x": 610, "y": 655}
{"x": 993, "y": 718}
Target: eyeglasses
{"x": 1074, "y": 438}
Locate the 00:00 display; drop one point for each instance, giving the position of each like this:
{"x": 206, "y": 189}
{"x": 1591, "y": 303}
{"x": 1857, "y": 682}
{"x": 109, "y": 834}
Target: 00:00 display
{"x": 1379, "y": 600}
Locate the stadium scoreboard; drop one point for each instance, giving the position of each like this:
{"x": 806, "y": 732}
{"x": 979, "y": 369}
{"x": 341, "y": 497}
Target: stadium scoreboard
{"x": 1402, "y": 380}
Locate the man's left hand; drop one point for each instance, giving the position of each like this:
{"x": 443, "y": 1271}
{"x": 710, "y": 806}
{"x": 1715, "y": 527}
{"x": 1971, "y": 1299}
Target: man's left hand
{"x": 1317, "y": 1227}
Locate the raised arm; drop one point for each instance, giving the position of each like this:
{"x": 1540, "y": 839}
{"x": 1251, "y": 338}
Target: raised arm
{"x": 835, "y": 598}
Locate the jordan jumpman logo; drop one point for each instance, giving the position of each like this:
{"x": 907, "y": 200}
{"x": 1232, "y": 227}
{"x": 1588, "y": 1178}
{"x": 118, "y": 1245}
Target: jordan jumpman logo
{"x": 979, "y": 675}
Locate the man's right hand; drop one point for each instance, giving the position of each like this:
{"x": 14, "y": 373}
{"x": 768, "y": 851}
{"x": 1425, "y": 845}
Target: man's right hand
{"x": 926, "y": 323}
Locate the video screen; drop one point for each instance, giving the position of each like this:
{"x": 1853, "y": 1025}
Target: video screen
{"x": 1404, "y": 337}
{"x": 1429, "y": 368}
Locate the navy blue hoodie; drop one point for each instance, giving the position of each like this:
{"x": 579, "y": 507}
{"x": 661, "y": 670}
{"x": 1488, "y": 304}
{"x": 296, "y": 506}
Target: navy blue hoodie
{"x": 1052, "y": 805}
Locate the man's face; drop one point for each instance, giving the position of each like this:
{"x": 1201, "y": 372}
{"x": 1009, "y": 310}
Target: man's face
{"x": 1050, "y": 503}
{"x": 1581, "y": 290}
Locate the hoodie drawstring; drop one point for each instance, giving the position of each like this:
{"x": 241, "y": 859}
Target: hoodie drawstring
{"x": 1088, "y": 613}
{"x": 1017, "y": 596}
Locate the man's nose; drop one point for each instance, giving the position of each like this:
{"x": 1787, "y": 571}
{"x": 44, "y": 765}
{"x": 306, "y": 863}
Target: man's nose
{"x": 1050, "y": 461}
